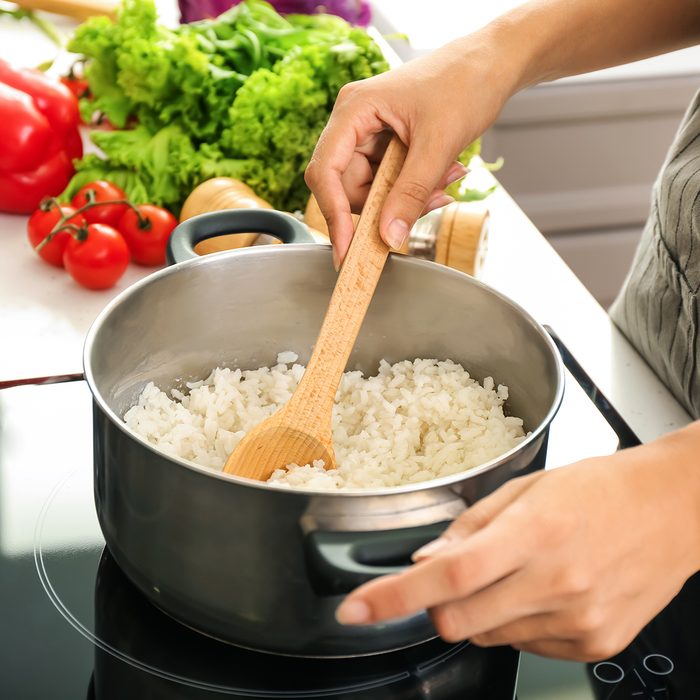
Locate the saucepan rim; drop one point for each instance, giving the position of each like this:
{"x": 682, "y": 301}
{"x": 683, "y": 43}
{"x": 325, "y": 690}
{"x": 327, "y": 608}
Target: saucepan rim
{"x": 430, "y": 484}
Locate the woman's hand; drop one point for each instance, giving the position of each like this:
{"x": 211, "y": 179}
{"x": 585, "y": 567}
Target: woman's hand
{"x": 569, "y": 563}
{"x": 440, "y": 103}
{"x": 437, "y": 105}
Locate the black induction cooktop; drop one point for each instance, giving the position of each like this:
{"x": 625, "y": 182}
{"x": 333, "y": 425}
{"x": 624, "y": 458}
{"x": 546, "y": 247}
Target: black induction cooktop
{"x": 75, "y": 627}
{"x": 72, "y": 625}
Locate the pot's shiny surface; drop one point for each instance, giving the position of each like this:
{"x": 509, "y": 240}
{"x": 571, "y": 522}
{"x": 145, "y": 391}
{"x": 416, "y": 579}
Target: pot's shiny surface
{"x": 266, "y": 566}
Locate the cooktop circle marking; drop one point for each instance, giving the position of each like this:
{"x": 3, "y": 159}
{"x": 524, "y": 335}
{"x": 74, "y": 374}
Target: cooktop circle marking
{"x": 658, "y": 664}
{"x": 608, "y": 672}
{"x": 82, "y": 629}
{"x": 42, "y": 562}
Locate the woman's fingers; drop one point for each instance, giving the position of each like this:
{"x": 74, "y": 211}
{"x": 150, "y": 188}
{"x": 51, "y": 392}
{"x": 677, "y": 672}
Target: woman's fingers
{"x": 537, "y": 564}
{"x": 479, "y": 515}
{"x": 459, "y": 569}
{"x": 437, "y": 201}
{"x": 532, "y": 628}
{"x": 335, "y": 207}
{"x": 358, "y": 176}
{"x": 342, "y": 168}
{"x": 429, "y": 103}
{"x": 466, "y": 559}
{"x": 345, "y": 133}
{"x": 455, "y": 172}
{"x": 508, "y": 610}
{"x": 421, "y": 174}
{"x": 439, "y": 198}
{"x": 352, "y": 145}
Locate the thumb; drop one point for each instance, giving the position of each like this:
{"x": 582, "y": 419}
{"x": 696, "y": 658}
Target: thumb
{"x": 420, "y": 175}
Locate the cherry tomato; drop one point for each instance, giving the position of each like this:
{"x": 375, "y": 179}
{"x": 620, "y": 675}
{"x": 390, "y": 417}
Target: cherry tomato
{"x": 104, "y": 191}
{"x": 147, "y": 235}
{"x": 39, "y": 226}
{"x": 98, "y": 261}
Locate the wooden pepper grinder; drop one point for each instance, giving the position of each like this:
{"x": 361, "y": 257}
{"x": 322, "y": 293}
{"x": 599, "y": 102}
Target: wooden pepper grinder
{"x": 215, "y": 195}
{"x": 226, "y": 193}
{"x": 456, "y": 236}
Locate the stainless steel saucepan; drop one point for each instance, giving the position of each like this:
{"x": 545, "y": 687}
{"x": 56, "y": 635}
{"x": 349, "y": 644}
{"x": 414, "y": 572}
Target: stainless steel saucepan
{"x": 264, "y": 566}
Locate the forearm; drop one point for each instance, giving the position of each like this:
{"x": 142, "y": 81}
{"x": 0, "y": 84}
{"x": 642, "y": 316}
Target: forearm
{"x": 548, "y": 39}
{"x": 677, "y": 458}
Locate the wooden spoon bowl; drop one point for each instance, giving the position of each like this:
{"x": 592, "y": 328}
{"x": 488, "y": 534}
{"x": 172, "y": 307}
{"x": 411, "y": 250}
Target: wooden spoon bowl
{"x": 276, "y": 445}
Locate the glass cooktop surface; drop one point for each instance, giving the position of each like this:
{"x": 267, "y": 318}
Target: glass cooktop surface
{"x": 80, "y": 629}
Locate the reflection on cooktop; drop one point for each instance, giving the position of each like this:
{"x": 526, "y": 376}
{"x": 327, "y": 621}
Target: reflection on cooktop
{"x": 145, "y": 654}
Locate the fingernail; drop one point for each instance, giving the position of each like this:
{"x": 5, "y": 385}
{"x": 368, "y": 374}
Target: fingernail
{"x": 441, "y": 200}
{"x": 429, "y": 549}
{"x": 396, "y": 232}
{"x": 353, "y": 612}
{"x": 456, "y": 173}
{"x": 336, "y": 260}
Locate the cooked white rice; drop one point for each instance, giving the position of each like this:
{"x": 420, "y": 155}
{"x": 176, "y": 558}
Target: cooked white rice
{"x": 411, "y": 422}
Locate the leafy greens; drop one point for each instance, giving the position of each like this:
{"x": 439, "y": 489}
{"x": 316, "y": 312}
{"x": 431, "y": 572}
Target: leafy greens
{"x": 244, "y": 95}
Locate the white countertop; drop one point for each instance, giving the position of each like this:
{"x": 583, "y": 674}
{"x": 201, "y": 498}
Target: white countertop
{"x": 44, "y": 315}
{"x": 523, "y": 265}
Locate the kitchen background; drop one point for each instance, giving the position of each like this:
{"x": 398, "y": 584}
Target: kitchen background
{"x": 580, "y": 157}
{"x": 581, "y": 153}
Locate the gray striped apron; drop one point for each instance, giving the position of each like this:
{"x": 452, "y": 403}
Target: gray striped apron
{"x": 657, "y": 308}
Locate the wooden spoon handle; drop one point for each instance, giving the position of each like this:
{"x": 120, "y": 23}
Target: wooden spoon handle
{"x": 312, "y": 402}
{"x": 78, "y": 9}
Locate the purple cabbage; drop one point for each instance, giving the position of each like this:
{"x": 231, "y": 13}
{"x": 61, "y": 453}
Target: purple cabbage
{"x": 354, "y": 11}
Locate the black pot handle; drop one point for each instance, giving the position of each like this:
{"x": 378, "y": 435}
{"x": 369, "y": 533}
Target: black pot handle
{"x": 218, "y": 223}
{"x": 339, "y": 562}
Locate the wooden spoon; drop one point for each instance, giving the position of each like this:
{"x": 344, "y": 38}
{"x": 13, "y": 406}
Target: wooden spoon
{"x": 77, "y": 9}
{"x": 300, "y": 432}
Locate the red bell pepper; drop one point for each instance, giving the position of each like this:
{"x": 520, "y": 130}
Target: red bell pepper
{"x": 27, "y": 134}
{"x": 52, "y": 97}
{"x": 39, "y": 118}
{"x": 21, "y": 192}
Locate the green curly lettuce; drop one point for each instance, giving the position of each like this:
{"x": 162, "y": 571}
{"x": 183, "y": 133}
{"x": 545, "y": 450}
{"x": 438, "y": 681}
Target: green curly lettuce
{"x": 244, "y": 95}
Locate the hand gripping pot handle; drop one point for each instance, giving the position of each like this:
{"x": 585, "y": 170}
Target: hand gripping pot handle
{"x": 187, "y": 234}
{"x": 339, "y": 562}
